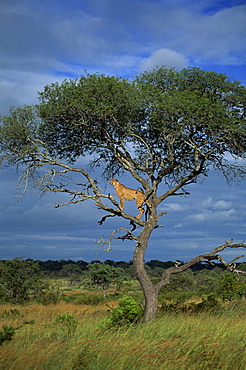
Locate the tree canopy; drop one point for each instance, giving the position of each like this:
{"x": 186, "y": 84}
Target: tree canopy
{"x": 164, "y": 123}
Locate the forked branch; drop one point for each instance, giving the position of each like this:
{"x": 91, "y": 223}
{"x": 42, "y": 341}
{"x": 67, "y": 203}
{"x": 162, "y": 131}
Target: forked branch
{"x": 128, "y": 235}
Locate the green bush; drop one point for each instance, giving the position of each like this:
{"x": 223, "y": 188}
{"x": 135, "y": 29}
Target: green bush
{"x": 19, "y": 279}
{"x": 13, "y": 312}
{"x": 68, "y": 323}
{"x": 50, "y": 294}
{"x": 231, "y": 286}
{"x": 126, "y": 313}
{"x": 209, "y": 304}
{"x": 178, "y": 296}
{"x": 89, "y": 299}
{"x": 6, "y": 334}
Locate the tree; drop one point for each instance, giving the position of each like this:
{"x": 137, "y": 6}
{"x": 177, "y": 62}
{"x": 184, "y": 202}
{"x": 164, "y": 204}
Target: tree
{"x": 163, "y": 127}
{"x": 19, "y": 278}
{"x": 103, "y": 275}
{"x": 72, "y": 271}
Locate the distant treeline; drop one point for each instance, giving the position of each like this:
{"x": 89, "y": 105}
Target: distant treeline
{"x": 154, "y": 267}
{"x": 57, "y": 265}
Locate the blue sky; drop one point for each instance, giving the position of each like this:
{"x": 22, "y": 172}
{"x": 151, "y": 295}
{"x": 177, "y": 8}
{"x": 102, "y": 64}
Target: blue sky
{"x": 47, "y": 41}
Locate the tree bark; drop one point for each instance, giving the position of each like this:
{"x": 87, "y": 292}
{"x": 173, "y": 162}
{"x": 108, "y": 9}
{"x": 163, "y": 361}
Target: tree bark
{"x": 149, "y": 290}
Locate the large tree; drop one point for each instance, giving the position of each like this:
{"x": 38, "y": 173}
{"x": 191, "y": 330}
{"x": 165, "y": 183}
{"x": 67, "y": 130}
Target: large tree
{"x": 161, "y": 127}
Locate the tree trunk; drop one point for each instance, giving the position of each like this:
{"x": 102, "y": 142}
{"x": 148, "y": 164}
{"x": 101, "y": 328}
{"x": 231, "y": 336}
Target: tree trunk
{"x": 151, "y": 303}
{"x": 149, "y": 290}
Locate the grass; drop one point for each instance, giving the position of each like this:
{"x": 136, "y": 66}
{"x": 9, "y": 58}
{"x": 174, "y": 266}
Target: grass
{"x": 173, "y": 341}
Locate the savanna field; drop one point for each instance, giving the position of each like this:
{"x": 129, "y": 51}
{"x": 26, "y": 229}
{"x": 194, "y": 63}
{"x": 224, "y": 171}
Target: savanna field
{"x": 70, "y": 336}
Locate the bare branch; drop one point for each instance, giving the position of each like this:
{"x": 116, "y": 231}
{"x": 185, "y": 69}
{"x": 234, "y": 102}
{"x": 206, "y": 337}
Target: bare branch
{"x": 201, "y": 258}
{"x": 182, "y": 193}
{"x": 128, "y": 235}
{"x": 105, "y": 217}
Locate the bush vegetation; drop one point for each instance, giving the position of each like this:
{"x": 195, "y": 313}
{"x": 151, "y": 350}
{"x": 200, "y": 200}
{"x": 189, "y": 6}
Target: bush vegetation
{"x": 201, "y": 316}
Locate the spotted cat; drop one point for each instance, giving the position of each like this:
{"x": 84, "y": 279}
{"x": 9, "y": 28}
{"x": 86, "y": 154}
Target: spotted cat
{"x": 125, "y": 193}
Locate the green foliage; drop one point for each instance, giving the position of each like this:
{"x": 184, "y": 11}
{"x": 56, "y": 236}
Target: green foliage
{"x": 72, "y": 271}
{"x": 96, "y": 104}
{"x": 177, "y": 296}
{"x": 231, "y": 286}
{"x": 127, "y": 312}
{"x": 103, "y": 275}
{"x": 83, "y": 298}
{"x": 68, "y": 323}
{"x": 18, "y": 132}
{"x": 125, "y": 286}
{"x": 13, "y": 312}
{"x": 184, "y": 281}
{"x": 29, "y": 322}
{"x": 210, "y": 303}
{"x": 242, "y": 266}
{"x": 165, "y": 114}
{"x": 49, "y": 294}
{"x": 22, "y": 279}
{"x": 6, "y": 334}
{"x": 19, "y": 278}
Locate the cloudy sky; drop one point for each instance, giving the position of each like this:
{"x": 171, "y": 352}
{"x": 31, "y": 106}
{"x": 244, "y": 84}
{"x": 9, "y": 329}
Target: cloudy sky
{"x": 47, "y": 41}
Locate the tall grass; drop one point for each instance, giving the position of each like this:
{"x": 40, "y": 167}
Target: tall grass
{"x": 173, "y": 341}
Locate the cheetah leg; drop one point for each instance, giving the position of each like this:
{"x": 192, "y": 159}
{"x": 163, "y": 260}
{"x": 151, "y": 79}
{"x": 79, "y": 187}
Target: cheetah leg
{"x": 122, "y": 203}
{"x": 141, "y": 211}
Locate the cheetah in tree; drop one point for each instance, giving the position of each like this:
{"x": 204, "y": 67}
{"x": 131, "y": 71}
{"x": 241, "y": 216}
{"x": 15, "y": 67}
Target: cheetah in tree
{"x": 125, "y": 193}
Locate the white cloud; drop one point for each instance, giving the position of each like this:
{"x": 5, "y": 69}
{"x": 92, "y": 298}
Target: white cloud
{"x": 21, "y": 87}
{"x": 174, "y": 207}
{"x": 212, "y": 216}
{"x": 218, "y": 205}
{"x": 167, "y": 57}
{"x": 217, "y": 38}
{"x": 207, "y": 202}
{"x": 103, "y": 36}
{"x": 222, "y": 205}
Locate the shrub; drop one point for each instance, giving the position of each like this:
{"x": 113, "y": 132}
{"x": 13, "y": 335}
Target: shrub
{"x": 19, "y": 278}
{"x": 209, "y": 304}
{"x": 126, "y": 313}
{"x": 89, "y": 299}
{"x": 50, "y": 294}
{"x": 13, "y": 312}
{"x": 231, "y": 286}
{"x": 68, "y": 323}
{"x": 6, "y": 334}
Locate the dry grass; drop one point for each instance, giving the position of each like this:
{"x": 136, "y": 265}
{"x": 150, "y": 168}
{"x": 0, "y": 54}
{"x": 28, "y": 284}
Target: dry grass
{"x": 181, "y": 342}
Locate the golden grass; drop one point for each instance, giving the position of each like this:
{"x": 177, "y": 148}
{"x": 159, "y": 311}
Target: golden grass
{"x": 172, "y": 342}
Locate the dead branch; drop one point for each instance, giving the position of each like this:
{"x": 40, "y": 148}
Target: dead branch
{"x": 213, "y": 255}
{"x": 100, "y": 222}
{"x": 182, "y": 193}
{"x": 128, "y": 235}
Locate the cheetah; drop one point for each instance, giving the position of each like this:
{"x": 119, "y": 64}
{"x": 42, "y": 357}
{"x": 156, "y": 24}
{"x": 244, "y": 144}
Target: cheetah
{"x": 125, "y": 193}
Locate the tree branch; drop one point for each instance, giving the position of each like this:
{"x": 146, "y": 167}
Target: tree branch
{"x": 128, "y": 235}
{"x": 201, "y": 258}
